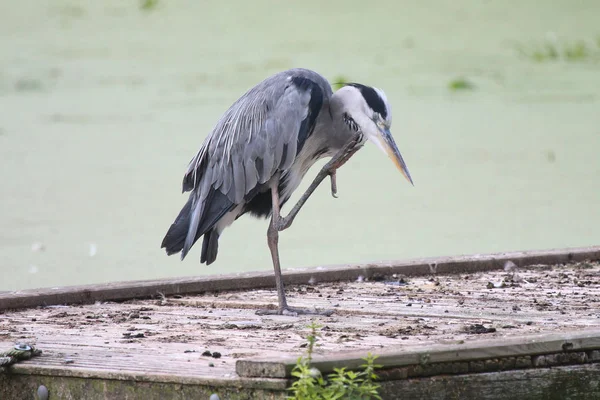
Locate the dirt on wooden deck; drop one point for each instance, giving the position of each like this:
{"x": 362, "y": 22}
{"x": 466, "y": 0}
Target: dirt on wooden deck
{"x": 202, "y": 336}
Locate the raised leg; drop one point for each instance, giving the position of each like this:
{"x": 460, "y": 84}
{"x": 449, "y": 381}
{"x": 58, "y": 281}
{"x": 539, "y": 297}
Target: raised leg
{"x": 328, "y": 169}
{"x": 279, "y": 223}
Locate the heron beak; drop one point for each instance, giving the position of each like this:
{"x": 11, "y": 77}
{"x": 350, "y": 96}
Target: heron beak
{"x": 386, "y": 143}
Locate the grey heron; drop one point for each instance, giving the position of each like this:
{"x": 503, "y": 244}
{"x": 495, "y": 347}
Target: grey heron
{"x": 261, "y": 148}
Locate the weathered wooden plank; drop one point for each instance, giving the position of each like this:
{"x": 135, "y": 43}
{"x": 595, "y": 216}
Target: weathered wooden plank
{"x": 578, "y": 382}
{"x": 109, "y": 373}
{"x": 559, "y": 383}
{"x": 143, "y": 289}
{"x": 24, "y": 387}
{"x": 161, "y": 342}
{"x": 391, "y": 357}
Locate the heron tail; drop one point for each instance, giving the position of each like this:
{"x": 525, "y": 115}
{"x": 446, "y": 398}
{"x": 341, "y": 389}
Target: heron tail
{"x": 194, "y": 220}
{"x": 175, "y": 238}
{"x": 186, "y": 229}
{"x": 210, "y": 247}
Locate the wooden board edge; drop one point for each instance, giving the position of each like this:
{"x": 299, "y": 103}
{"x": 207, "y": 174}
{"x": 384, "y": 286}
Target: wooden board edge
{"x": 31, "y": 368}
{"x": 574, "y": 382}
{"x": 120, "y": 291}
{"x": 530, "y": 345}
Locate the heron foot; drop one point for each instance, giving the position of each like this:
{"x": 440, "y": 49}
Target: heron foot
{"x": 340, "y": 159}
{"x": 294, "y": 312}
{"x": 332, "y": 175}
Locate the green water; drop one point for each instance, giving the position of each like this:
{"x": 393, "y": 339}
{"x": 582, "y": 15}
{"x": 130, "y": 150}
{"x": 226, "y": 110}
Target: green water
{"x": 102, "y": 105}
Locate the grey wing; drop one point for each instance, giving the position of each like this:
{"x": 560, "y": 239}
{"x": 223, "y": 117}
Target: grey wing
{"x": 259, "y": 135}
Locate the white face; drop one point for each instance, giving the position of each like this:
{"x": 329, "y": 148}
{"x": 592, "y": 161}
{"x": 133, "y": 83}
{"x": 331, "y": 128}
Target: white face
{"x": 371, "y": 111}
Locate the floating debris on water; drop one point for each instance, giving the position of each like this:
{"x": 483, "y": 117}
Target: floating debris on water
{"x": 37, "y": 247}
{"x": 339, "y": 81}
{"x": 460, "y": 84}
{"x": 93, "y": 250}
{"x": 148, "y": 5}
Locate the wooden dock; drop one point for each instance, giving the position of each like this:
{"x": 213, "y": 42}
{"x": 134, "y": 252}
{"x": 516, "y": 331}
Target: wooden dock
{"x": 474, "y": 327}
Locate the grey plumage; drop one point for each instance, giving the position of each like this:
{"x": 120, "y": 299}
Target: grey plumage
{"x": 273, "y": 133}
{"x": 255, "y": 138}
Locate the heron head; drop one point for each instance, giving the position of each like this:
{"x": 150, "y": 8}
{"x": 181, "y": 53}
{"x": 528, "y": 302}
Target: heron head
{"x": 369, "y": 110}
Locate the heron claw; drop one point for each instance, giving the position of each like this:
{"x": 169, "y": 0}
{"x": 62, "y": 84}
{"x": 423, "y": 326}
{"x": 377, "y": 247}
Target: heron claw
{"x": 332, "y": 175}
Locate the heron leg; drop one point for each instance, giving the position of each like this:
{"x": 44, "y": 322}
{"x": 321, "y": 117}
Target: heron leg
{"x": 273, "y": 242}
{"x": 279, "y": 223}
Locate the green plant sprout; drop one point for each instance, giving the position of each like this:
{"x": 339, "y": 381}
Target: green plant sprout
{"x": 341, "y": 384}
